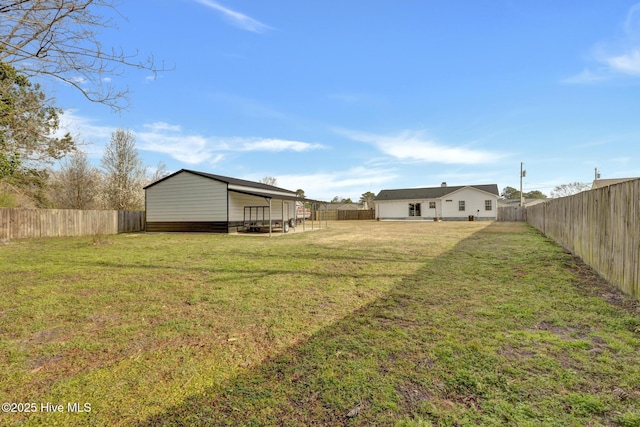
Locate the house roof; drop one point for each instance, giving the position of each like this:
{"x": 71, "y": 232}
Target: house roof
{"x": 345, "y": 206}
{"x": 599, "y": 183}
{"x": 431, "y": 192}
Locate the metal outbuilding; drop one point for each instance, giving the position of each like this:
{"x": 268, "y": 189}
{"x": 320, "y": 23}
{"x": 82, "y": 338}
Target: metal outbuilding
{"x": 192, "y": 201}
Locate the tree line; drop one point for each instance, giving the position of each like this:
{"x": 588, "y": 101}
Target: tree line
{"x": 367, "y": 197}
{"x": 61, "y": 40}
{"x": 561, "y": 190}
{"x": 117, "y": 184}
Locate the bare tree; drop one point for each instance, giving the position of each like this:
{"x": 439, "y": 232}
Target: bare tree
{"x": 60, "y": 38}
{"x": 77, "y": 184}
{"x": 159, "y": 172}
{"x": 269, "y": 180}
{"x": 569, "y": 189}
{"x": 125, "y": 175}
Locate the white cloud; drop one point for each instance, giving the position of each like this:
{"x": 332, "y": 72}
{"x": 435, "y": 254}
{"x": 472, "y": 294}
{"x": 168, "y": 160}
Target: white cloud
{"x": 627, "y": 63}
{"x": 270, "y": 144}
{"x": 190, "y": 149}
{"x": 344, "y": 183}
{"x": 91, "y": 137}
{"x": 79, "y": 80}
{"x": 616, "y": 57}
{"x": 237, "y": 19}
{"x": 170, "y": 139}
{"x": 163, "y": 126}
{"x": 415, "y": 146}
{"x": 586, "y": 76}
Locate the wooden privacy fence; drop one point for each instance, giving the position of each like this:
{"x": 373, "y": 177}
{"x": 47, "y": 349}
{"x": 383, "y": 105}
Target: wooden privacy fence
{"x": 601, "y": 226}
{"x": 356, "y": 215}
{"x": 512, "y": 213}
{"x": 26, "y": 223}
{"x": 345, "y": 215}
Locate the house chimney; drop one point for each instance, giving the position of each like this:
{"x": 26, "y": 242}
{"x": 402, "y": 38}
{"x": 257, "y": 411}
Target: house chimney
{"x": 444, "y": 184}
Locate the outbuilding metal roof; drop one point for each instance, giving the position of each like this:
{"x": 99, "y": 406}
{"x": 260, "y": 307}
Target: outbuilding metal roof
{"x": 249, "y": 186}
{"x": 225, "y": 179}
{"x": 431, "y": 192}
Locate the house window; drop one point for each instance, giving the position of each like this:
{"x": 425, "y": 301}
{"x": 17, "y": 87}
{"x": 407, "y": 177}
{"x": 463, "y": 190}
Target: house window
{"x": 432, "y": 205}
{"x": 488, "y": 205}
{"x": 414, "y": 209}
{"x": 461, "y": 205}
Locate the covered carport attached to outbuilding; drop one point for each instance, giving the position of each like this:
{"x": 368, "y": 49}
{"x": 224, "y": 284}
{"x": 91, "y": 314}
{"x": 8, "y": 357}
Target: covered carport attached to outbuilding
{"x": 188, "y": 201}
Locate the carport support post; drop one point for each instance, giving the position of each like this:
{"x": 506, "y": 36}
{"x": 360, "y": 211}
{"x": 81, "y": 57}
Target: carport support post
{"x": 326, "y": 216}
{"x": 269, "y": 217}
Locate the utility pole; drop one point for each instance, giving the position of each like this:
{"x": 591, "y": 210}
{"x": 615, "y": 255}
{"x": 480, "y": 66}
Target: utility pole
{"x": 523, "y": 173}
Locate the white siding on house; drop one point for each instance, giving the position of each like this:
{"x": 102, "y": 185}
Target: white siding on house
{"x": 448, "y": 207}
{"x": 399, "y": 209}
{"x": 187, "y": 197}
{"x": 393, "y": 209}
{"x": 474, "y": 201}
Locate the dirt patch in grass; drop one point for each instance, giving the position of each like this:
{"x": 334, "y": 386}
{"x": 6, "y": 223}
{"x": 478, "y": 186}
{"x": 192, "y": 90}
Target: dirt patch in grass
{"x": 592, "y": 283}
{"x": 414, "y": 394}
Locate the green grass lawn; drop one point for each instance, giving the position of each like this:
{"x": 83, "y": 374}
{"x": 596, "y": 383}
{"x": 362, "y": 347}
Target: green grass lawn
{"x": 366, "y": 323}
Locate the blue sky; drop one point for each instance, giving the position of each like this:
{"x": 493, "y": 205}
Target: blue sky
{"x": 343, "y": 97}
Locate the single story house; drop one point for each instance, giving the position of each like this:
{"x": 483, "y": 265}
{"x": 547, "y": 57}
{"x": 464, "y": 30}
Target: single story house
{"x": 189, "y": 200}
{"x": 464, "y": 202}
{"x": 346, "y": 206}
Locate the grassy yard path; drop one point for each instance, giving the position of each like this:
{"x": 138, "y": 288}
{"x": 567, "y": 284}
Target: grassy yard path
{"x": 367, "y": 323}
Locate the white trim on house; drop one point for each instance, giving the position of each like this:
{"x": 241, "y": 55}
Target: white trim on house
{"x": 446, "y": 203}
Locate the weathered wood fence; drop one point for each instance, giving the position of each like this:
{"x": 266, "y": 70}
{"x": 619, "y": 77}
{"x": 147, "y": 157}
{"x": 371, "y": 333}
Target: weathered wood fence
{"x": 601, "y": 226}
{"x": 345, "y": 215}
{"x": 512, "y": 213}
{"x": 26, "y": 223}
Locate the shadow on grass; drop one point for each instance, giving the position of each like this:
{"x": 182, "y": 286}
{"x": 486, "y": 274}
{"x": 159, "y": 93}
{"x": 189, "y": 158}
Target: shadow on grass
{"x": 456, "y": 343}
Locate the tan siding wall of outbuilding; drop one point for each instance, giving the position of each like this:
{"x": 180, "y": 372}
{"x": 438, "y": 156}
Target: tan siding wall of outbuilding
{"x": 187, "y": 197}
{"x": 237, "y": 202}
